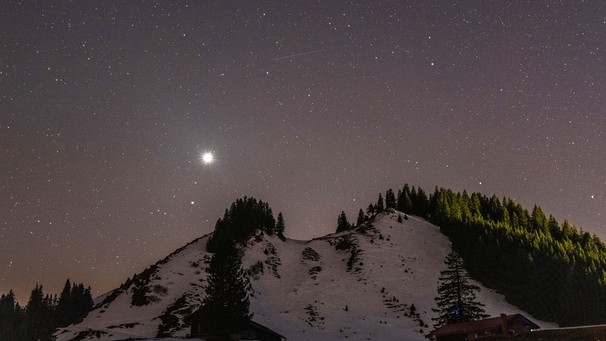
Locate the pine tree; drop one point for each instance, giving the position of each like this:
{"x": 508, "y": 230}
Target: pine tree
{"x": 406, "y": 203}
{"x": 390, "y": 199}
{"x": 39, "y": 315}
{"x": 370, "y": 210}
{"x": 400, "y": 199}
{"x": 280, "y": 226}
{"x": 456, "y": 298}
{"x": 64, "y": 305}
{"x": 242, "y": 220}
{"x": 380, "y": 204}
{"x": 81, "y": 302}
{"x": 226, "y": 305}
{"x": 422, "y": 203}
{"x": 361, "y": 218}
{"x": 10, "y": 318}
{"x": 342, "y": 223}
{"x": 538, "y": 221}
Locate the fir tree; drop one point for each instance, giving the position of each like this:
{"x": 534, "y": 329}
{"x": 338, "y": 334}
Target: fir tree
{"x": 390, "y": 199}
{"x": 456, "y": 298}
{"x": 342, "y": 223}
{"x": 241, "y": 221}
{"x": 361, "y": 218}
{"x": 82, "y": 300}
{"x": 75, "y": 301}
{"x": 43, "y": 313}
{"x": 406, "y": 205}
{"x": 39, "y": 315}
{"x": 420, "y": 205}
{"x": 370, "y": 210}
{"x": 538, "y": 221}
{"x": 226, "y": 305}
{"x": 280, "y": 226}
{"x": 404, "y": 202}
{"x": 64, "y": 305}
{"x": 380, "y": 204}
{"x": 10, "y": 318}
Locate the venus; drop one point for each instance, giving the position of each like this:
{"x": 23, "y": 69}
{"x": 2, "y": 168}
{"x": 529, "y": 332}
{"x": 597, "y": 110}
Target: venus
{"x": 208, "y": 158}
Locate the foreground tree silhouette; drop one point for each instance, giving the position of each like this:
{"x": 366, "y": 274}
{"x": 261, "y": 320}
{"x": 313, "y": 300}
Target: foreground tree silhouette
{"x": 11, "y": 316}
{"x": 227, "y": 305}
{"x": 39, "y": 315}
{"x": 456, "y": 296}
{"x": 74, "y": 302}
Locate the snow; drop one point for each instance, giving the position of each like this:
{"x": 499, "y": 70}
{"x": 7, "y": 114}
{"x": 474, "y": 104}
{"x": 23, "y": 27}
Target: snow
{"x": 307, "y": 289}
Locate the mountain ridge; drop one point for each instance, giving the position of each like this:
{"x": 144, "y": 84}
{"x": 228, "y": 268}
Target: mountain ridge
{"x": 376, "y": 280}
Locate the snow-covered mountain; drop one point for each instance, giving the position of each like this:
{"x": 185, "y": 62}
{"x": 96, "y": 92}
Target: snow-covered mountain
{"x": 377, "y": 281}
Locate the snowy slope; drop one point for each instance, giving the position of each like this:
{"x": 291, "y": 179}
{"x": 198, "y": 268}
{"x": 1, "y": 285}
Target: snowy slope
{"x": 376, "y": 282}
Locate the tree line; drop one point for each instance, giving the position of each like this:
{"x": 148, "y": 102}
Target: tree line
{"x": 242, "y": 220}
{"x": 43, "y": 313}
{"x": 409, "y": 200}
{"x": 552, "y": 270}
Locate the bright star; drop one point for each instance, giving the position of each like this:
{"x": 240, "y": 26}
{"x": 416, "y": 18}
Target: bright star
{"x": 207, "y": 158}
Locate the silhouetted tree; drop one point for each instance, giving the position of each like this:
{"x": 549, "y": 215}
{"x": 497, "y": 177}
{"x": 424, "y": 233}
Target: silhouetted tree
{"x": 75, "y": 301}
{"x": 280, "y": 226}
{"x": 43, "y": 313}
{"x": 64, "y": 314}
{"x": 342, "y": 223}
{"x": 11, "y": 317}
{"x": 370, "y": 210}
{"x": 243, "y": 218}
{"x": 380, "y": 204}
{"x": 456, "y": 298}
{"x": 421, "y": 203}
{"x": 39, "y": 315}
{"x": 404, "y": 202}
{"x": 390, "y": 199}
{"x": 361, "y": 218}
{"x": 226, "y": 305}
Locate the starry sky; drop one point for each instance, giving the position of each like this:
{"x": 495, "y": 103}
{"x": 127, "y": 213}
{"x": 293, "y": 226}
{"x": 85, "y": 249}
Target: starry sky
{"x": 314, "y": 107}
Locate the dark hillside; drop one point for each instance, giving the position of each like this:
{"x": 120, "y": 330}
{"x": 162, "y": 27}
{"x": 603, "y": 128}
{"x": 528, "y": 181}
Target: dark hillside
{"x": 552, "y": 270}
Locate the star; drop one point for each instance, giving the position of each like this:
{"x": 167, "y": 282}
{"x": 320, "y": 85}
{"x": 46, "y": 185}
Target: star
{"x": 207, "y": 158}
{"x": 305, "y": 118}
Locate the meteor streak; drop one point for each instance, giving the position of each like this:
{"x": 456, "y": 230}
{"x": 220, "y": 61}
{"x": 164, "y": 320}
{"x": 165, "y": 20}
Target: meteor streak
{"x": 298, "y": 54}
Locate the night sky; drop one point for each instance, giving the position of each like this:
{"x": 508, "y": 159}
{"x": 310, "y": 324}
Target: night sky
{"x": 314, "y": 107}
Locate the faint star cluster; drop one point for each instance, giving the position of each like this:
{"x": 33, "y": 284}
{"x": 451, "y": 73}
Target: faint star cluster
{"x": 313, "y": 107}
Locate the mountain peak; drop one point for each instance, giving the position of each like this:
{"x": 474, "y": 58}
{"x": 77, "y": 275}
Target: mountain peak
{"x": 377, "y": 280}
